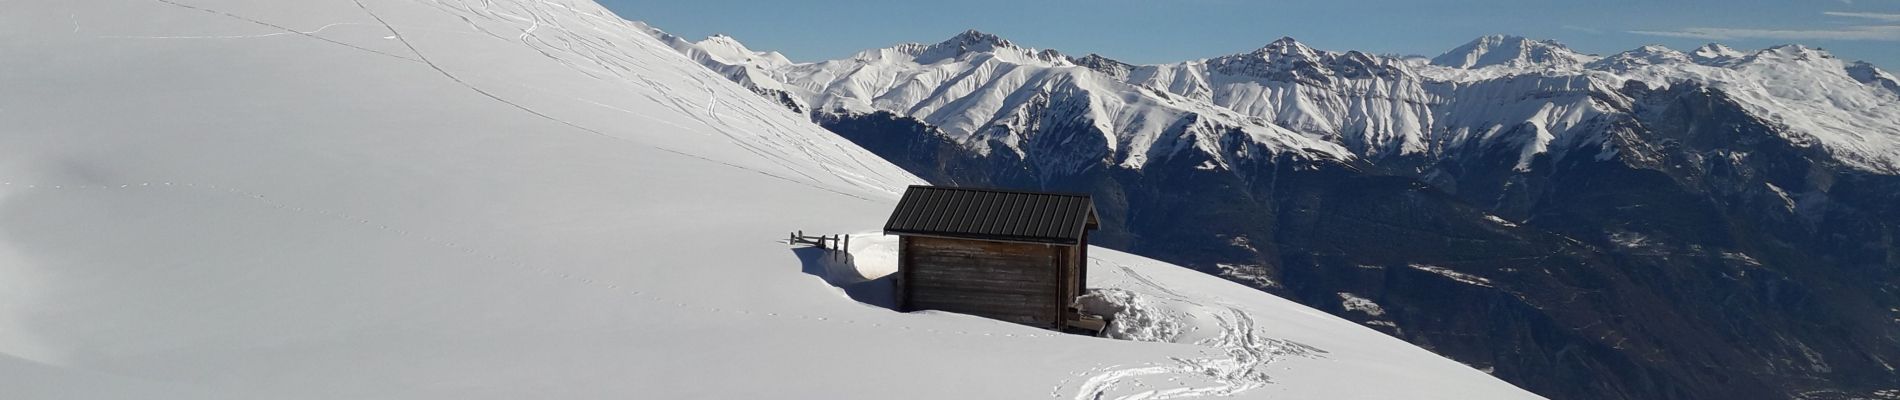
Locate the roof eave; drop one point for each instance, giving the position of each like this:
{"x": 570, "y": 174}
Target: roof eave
{"x": 987, "y": 238}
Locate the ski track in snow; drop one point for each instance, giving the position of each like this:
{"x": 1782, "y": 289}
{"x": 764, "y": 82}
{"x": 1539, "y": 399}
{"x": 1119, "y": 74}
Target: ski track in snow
{"x": 1238, "y": 370}
{"x": 784, "y": 161}
{"x": 1231, "y": 357}
{"x": 257, "y": 36}
{"x": 1241, "y": 368}
{"x": 319, "y": 30}
{"x": 281, "y": 28}
{"x": 532, "y": 37}
{"x": 626, "y": 290}
{"x": 1235, "y": 373}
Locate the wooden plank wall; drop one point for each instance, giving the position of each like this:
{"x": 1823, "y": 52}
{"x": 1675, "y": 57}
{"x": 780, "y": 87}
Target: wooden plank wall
{"x": 1014, "y": 282}
{"x": 1071, "y": 280}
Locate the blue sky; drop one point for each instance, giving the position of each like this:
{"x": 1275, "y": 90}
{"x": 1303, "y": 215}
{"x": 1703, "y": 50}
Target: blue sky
{"x": 1176, "y": 30}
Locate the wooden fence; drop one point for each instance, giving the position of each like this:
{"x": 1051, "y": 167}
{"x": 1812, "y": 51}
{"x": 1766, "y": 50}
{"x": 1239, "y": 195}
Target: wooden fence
{"x": 839, "y": 244}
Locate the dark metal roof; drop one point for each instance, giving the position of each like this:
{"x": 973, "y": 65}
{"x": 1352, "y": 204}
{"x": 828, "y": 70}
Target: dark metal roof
{"x": 991, "y": 214}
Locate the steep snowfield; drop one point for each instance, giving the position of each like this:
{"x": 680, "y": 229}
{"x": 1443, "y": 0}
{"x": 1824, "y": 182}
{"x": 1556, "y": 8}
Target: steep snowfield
{"x": 511, "y": 199}
{"x": 1816, "y": 97}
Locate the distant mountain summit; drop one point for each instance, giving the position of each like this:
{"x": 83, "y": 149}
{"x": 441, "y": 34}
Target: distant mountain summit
{"x": 1511, "y": 51}
{"x": 1641, "y": 57}
{"x": 1104, "y": 65}
{"x": 1288, "y": 59}
{"x": 975, "y": 40}
{"x": 1873, "y": 76}
{"x": 1715, "y": 54}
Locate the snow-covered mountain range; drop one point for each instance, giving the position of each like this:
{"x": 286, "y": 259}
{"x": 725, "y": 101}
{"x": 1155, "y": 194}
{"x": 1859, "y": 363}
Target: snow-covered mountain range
{"x": 535, "y": 199}
{"x": 1584, "y": 226}
{"x": 977, "y": 87}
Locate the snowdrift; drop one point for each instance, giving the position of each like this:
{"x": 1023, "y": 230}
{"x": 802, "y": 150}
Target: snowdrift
{"x": 510, "y": 199}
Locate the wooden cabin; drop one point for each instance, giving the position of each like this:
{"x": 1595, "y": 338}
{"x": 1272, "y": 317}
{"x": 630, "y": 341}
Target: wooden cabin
{"x": 1009, "y": 255}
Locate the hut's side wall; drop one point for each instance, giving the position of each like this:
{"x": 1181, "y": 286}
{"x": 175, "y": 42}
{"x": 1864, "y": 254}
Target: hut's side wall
{"x": 1082, "y": 263}
{"x": 1013, "y": 282}
{"x": 1073, "y": 260}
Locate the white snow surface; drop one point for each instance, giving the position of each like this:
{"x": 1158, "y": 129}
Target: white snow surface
{"x": 507, "y": 199}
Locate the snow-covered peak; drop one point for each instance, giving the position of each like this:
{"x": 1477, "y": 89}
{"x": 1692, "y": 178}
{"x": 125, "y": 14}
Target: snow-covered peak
{"x": 1511, "y": 51}
{"x": 727, "y": 56}
{"x": 976, "y": 39}
{"x": 1289, "y": 60}
{"x": 1789, "y": 52}
{"x": 1107, "y": 66}
{"x": 1716, "y": 54}
{"x": 728, "y": 50}
{"x": 1820, "y": 101}
{"x": 1873, "y": 76}
{"x": 720, "y": 50}
{"x": 1655, "y": 50}
{"x": 974, "y": 42}
{"x": 1641, "y": 57}
{"x": 1286, "y": 46}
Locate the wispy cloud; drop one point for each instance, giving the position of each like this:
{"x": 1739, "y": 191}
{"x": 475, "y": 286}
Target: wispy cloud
{"x": 1882, "y": 32}
{"x": 1867, "y": 15}
{"x": 1871, "y": 32}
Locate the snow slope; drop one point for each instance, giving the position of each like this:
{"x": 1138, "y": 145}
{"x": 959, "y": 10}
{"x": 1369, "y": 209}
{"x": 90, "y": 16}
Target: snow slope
{"x": 510, "y": 199}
